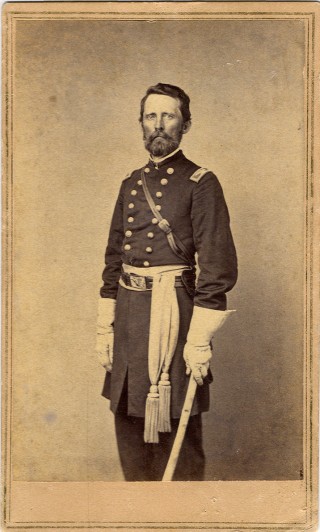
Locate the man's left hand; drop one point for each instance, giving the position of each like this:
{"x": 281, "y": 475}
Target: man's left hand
{"x": 197, "y": 361}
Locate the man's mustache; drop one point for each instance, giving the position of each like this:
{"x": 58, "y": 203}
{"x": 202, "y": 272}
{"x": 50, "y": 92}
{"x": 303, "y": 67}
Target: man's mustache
{"x": 161, "y": 134}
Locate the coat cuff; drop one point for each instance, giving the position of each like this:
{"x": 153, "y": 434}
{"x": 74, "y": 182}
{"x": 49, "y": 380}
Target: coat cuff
{"x": 205, "y": 323}
{"x": 106, "y": 312}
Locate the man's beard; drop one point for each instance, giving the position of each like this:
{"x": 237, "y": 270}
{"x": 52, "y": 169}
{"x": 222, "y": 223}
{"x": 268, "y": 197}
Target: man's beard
{"x": 161, "y": 144}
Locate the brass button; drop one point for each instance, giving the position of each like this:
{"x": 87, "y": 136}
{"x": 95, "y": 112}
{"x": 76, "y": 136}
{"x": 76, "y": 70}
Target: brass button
{"x": 133, "y": 192}
{"x": 139, "y": 182}
{"x": 127, "y": 247}
{"x": 131, "y": 205}
{"x": 154, "y": 220}
{"x": 146, "y": 263}
{"x": 147, "y": 170}
{"x": 170, "y": 171}
{"x": 164, "y": 181}
{"x": 149, "y": 250}
{"x": 158, "y": 207}
{"x": 128, "y": 233}
{"x": 159, "y": 194}
{"x": 130, "y": 219}
{"x": 150, "y": 235}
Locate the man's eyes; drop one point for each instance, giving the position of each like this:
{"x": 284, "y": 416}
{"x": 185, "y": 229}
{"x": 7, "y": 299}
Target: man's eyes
{"x": 152, "y": 116}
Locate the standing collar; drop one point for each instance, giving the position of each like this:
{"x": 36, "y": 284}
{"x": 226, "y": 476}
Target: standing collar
{"x": 161, "y": 159}
{"x": 173, "y": 156}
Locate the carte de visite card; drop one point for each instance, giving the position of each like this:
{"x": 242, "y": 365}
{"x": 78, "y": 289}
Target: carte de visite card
{"x": 74, "y": 130}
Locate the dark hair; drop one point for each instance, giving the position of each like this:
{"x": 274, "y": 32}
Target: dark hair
{"x": 174, "y": 92}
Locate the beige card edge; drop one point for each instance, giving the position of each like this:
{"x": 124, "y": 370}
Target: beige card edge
{"x": 60, "y": 497}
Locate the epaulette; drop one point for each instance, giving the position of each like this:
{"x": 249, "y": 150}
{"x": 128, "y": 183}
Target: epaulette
{"x": 198, "y": 174}
{"x": 128, "y": 175}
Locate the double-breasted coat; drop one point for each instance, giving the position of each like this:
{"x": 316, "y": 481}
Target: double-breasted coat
{"x": 193, "y": 203}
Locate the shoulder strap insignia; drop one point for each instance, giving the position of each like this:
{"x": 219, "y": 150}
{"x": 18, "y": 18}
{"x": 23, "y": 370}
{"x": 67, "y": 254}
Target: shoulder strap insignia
{"x": 198, "y": 174}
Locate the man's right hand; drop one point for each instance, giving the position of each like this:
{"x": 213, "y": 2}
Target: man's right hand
{"x": 104, "y": 346}
{"x": 104, "y": 349}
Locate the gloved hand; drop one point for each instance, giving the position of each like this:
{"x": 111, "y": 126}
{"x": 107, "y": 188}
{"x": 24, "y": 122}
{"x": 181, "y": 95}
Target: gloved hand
{"x": 204, "y": 324}
{"x": 104, "y": 345}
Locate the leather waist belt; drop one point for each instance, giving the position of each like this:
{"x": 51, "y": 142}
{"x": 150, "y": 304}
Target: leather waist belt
{"x": 144, "y": 283}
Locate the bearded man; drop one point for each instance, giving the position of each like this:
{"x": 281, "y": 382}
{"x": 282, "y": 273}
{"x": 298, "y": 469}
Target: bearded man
{"x": 155, "y": 323}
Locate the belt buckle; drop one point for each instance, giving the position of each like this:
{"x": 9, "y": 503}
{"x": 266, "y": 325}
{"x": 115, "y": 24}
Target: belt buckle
{"x": 137, "y": 281}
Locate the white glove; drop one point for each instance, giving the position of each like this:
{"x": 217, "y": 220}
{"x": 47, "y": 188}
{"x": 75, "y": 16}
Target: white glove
{"x": 204, "y": 324}
{"x": 104, "y": 346}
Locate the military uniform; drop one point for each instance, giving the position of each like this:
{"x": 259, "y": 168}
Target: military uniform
{"x": 191, "y": 199}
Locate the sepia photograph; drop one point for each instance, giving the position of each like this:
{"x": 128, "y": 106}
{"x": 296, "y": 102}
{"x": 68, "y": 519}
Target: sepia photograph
{"x": 160, "y": 265}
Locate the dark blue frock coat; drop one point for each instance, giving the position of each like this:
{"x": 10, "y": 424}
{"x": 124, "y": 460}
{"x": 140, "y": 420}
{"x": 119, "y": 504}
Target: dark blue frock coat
{"x": 197, "y": 212}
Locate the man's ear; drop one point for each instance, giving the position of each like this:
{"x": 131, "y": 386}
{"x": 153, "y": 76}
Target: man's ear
{"x": 186, "y": 126}
{"x": 141, "y": 125}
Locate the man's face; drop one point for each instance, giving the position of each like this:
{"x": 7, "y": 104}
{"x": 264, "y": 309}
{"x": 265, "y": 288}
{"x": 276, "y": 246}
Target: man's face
{"x": 162, "y": 124}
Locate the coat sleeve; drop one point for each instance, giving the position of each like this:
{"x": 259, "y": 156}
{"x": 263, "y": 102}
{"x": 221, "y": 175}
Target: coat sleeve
{"x": 113, "y": 261}
{"x": 213, "y": 241}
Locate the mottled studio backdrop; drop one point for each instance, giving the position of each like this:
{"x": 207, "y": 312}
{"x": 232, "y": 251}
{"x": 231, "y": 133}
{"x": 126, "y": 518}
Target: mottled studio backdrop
{"x": 77, "y": 89}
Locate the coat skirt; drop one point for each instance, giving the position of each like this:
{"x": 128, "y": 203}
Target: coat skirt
{"x": 130, "y": 356}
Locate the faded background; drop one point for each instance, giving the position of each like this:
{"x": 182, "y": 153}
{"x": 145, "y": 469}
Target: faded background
{"x": 78, "y": 86}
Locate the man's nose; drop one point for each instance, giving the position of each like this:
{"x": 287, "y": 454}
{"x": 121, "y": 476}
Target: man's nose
{"x": 159, "y": 122}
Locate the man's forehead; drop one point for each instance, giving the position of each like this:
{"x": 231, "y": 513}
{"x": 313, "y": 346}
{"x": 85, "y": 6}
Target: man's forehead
{"x": 161, "y": 102}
